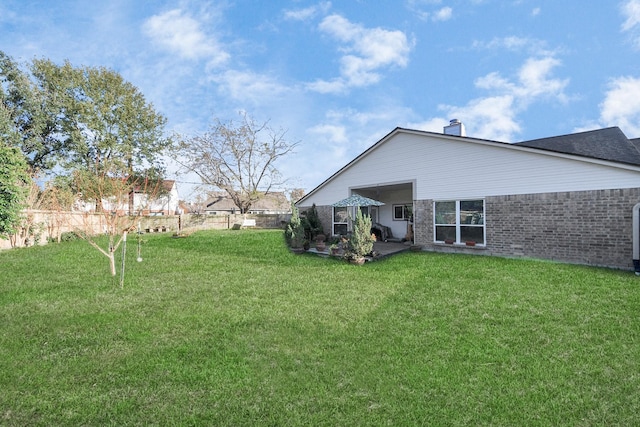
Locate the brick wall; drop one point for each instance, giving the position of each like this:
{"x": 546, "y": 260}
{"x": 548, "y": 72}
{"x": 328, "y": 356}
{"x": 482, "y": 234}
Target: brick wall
{"x": 586, "y": 227}
{"x": 325, "y": 215}
{"x": 423, "y": 222}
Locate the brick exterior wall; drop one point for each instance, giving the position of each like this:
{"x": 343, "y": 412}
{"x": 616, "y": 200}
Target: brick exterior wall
{"x": 325, "y": 215}
{"x": 585, "y": 227}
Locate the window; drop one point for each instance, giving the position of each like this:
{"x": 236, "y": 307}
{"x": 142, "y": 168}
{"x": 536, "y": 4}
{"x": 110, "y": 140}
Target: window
{"x": 340, "y": 221}
{"x": 459, "y": 221}
{"x": 401, "y": 212}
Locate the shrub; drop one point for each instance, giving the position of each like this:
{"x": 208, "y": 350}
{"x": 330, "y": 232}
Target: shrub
{"x": 69, "y": 236}
{"x": 294, "y": 233}
{"x": 312, "y": 223}
{"x": 360, "y": 243}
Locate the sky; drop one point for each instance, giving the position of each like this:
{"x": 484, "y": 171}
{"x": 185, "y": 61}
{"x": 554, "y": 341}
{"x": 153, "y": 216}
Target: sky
{"x": 339, "y": 75}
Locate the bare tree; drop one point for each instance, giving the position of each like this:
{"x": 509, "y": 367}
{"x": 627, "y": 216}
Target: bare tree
{"x": 197, "y": 207}
{"x": 296, "y": 194}
{"x": 238, "y": 158}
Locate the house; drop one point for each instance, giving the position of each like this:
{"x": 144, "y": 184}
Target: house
{"x": 166, "y": 202}
{"x": 572, "y": 198}
{"x": 219, "y": 203}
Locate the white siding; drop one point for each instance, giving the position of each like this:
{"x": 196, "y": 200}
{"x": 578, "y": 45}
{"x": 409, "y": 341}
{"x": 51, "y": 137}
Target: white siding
{"x": 452, "y": 168}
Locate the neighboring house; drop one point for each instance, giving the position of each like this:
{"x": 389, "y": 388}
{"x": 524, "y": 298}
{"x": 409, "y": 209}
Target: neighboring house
{"x": 219, "y": 203}
{"x": 165, "y": 203}
{"x": 572, "y": 198}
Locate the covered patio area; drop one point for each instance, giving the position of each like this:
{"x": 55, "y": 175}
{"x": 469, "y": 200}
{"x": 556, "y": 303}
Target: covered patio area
{"x": 390, "y": 209}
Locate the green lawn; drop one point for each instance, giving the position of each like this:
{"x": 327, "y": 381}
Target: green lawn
{"x": 229, "y": 328}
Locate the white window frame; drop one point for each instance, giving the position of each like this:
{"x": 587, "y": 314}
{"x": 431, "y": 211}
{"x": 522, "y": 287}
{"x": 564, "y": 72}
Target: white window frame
{"x": 406, "y": 211}
{"x": 481, "y": 223}
{"x": 334, "y": 222}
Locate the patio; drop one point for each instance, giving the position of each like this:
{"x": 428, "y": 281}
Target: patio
{"x": 390, "y": 248}
{"x": 382, "y": 249}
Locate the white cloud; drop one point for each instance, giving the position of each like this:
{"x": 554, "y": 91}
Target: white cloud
{"x": 631, "y": 11}
{"x": 324, "y": 86}
{"x": 515, "y": 44}
{"x": 366, "y": 51}
{"x": 443, "y": 14}
{"x": 332, "y": 133}
{"x": 495, "y": 116}
{"x": 535, "y": 82}
{"x": 249, "y": 86}
{"x": 535, "y": 11}
{"x": 621, "y": 106}
{"x": 532, "y": 81}
{"x": 422, "y": 10}
{"x": 181, "y": 34}
{"x": 492, "y": 117}
{"x": 435, "y": 124}
{"x": 308, "y": 12}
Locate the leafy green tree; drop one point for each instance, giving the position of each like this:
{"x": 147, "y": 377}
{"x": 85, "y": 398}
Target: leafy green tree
{"x": 31, "y": 115}
{"x": 79, "y": 118}
{"x": 103, "y": 119}
{"x": 14, "y": 186}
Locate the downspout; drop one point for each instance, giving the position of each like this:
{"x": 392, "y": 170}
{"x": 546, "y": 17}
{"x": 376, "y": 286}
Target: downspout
{"x": 636, "y": 238}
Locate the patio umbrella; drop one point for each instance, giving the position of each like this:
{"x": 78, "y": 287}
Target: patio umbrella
{"x": 356, "y": 200}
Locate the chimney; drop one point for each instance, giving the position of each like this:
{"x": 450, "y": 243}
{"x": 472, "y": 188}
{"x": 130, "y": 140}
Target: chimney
{"x": 456, "y": 127}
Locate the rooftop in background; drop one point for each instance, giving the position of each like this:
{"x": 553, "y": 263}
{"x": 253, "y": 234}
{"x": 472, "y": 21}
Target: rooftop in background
{"x": 219, "y": 202}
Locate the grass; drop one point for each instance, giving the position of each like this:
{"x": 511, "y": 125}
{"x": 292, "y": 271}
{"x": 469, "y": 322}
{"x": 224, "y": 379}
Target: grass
{"x": 229, "y": 328}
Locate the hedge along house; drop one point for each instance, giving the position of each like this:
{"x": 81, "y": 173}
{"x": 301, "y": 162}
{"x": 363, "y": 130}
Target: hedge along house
{"x": 572, "y": 198}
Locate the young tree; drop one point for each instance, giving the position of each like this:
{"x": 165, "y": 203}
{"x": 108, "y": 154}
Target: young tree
{"x": 239, "y": 158}
{"x": 113, "y": 191}
{"x": 360, "y": 243}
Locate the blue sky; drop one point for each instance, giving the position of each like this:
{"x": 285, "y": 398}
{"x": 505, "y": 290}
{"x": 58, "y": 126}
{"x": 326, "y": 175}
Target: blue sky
{"x": 340, "y": 75}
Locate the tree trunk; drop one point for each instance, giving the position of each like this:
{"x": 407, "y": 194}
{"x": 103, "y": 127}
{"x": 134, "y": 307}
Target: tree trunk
{"x": 112, "y": 263}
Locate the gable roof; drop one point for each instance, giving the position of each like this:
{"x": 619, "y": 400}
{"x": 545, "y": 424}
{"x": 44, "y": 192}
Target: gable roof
{"x": 608, "y": 144}
{"x": 604, "y": 144}
{"x": 220, "y": 201}
{"x": 167, "y": 186}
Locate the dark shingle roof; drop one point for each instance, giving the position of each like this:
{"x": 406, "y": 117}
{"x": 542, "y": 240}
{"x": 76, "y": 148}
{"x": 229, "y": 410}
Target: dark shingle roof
{"x": 275, "y": 201}
{"x": 605, "y": 144}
